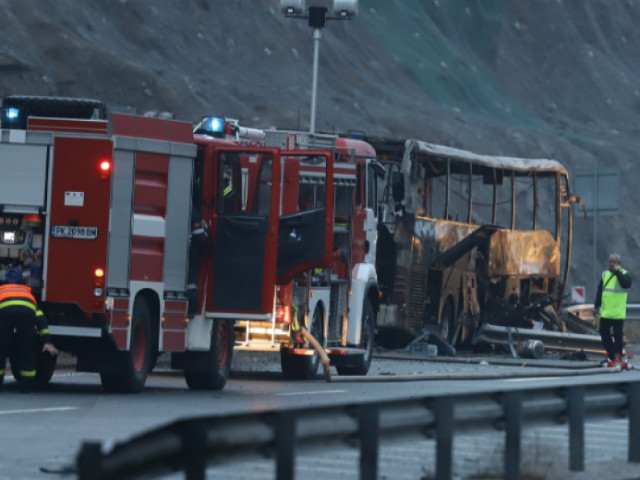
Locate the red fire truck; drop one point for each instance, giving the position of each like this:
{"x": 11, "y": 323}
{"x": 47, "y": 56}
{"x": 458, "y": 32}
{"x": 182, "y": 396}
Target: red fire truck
{"x": 333, "y": 293}
{"x": 137, "y": 236}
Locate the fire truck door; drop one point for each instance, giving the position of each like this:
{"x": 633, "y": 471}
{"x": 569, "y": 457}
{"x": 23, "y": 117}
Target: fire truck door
{"x": 245, "y": 232}
{"x": 305, "y": 236}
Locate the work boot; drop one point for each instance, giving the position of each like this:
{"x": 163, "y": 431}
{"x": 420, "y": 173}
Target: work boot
{"x": 625, "y": 363}
{"x": 617, "y": 360}
{"x": 27, "y": 385}
{"x": 606, "y": 361}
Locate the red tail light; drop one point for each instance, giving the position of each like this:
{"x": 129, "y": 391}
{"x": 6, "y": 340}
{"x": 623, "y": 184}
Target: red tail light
{"x": 105, "y": 169}
{"x": 282, "y": 314}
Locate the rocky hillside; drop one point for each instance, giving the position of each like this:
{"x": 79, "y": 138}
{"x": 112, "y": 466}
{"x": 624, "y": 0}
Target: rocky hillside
{"x": 550, "y": 78}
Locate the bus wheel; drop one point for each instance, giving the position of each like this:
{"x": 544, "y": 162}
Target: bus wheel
{"x": 131, "y": 367}
{"x": 361, "y": 363}
{"x": 304, "y": 367}
{"x": 218, "y": 364}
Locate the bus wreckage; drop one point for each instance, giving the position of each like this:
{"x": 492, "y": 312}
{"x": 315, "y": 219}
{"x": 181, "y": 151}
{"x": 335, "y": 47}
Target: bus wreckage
{"x": 469, "y": 243}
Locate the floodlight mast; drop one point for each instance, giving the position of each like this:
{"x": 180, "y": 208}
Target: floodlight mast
{"x": 318, "y": 14}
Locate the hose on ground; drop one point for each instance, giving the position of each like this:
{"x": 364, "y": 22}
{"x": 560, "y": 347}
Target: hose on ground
{"x": 477, "y": 376}
{"x": 326, "y": 363}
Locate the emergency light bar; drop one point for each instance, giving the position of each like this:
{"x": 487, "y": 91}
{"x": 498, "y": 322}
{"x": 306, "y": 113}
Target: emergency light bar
{"x": 213, "y": 126}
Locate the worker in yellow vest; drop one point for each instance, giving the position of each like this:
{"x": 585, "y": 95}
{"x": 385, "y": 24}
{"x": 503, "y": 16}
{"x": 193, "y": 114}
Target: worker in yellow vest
{"x": 611, "y": 307}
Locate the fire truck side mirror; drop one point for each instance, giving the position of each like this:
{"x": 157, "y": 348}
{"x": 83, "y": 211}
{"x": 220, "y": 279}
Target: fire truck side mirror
{"x": 397, "y": 186}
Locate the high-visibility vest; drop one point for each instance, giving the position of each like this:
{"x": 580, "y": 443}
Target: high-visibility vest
{"x": 13, "y": 294}
{"x": 613, "y": 304}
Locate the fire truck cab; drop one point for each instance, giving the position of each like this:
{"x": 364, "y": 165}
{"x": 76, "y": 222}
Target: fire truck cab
{"x": 326, "y": 279}
{"x": 137, "y": 236}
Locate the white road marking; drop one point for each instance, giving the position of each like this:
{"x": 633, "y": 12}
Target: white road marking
{"x": 317, "y": 392}
{"x": 37, "y": 410}
{"x": 531, "y": 379}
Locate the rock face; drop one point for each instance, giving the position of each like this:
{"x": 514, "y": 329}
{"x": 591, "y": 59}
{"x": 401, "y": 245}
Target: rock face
{"x": 544, "y": 79}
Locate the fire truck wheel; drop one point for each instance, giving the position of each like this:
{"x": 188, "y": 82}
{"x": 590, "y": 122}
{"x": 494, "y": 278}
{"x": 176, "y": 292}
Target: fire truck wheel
{"x": 304, "y": 367}
{"x": 132, "y": 366}
{"x": 215, "y": 376}
{"x": 362, "y": 362}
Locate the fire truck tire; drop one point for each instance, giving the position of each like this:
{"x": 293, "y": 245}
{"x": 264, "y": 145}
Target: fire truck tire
{"x": 304, "y": 367}
{"x": 132, "y": 366}
{"x": 362, "y": 362}
{"x": 215, "y": 376}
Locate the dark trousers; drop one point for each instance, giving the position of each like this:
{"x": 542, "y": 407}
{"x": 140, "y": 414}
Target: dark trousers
{"x": 611, "y": 334}
{"x": 24, "y": 342}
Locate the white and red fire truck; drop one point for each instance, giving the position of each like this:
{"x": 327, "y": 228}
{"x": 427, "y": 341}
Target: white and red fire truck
{"x": 328, "y": 220}
{"x": 137, "y": 236}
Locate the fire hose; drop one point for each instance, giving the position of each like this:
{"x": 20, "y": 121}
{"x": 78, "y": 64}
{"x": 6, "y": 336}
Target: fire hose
{"x": 321, "y": 353}
{"x": 562, "y": 370}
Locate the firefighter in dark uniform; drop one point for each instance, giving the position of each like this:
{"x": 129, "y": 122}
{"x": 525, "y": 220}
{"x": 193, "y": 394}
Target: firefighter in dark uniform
{"x": 19, "y": 313}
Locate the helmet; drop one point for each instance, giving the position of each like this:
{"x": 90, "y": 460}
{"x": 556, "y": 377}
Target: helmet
{"x": 13, "y": 275}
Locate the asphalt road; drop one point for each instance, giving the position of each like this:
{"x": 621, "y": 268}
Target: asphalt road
{"x": 42, "y": 432}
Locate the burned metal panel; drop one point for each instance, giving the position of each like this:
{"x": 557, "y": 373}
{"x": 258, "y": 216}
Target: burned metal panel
{"x": 514, "y": 252}
{"x": 438, "y": 236}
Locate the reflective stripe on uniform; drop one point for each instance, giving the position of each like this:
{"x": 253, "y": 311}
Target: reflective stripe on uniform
{"x": 27, "y": 373}
{"x": 2, "y": 372}
{"x": 15, "y": 291}
{"x": 22, "y": 303}
{"x": 227, "y": 190}
{"x": 44, "y": 331}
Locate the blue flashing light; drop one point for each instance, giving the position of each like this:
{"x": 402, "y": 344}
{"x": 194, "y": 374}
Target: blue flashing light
{"x": 214, "y": 124}
{"x": 11, "y": 113}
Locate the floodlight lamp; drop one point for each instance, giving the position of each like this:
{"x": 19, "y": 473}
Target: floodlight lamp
{"x": 345, "y": 8}
{"x": 293, "y": 7}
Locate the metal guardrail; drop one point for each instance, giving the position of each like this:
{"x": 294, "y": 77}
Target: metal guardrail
{"x": 189, "y": 445}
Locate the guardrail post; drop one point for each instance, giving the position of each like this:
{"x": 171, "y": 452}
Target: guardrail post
{"x": 444, "y": 438}
{"x": 194, "y": 450}
{"x": 369, "y": 435}
{"x": 90, "y": 461}
{"x": 634, "y": 422}
{"x": 513, "y": 429}
{"x": 285, "y": 433}
{"x": 576, "y": 428}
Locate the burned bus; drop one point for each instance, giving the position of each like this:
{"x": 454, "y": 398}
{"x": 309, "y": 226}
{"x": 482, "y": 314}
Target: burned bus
{"x": 467, "y": 239}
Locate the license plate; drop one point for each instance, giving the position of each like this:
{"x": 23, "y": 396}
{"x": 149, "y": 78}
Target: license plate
{"x": 63, "y": 231}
